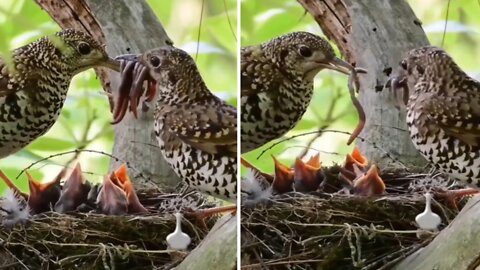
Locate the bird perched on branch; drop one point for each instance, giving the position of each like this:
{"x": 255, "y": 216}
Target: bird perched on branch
{"x": 443, "y": 112}
{"x": 277, "y": 84}
{"x": 196, "y": 131}
{"x": 34, "y": 84}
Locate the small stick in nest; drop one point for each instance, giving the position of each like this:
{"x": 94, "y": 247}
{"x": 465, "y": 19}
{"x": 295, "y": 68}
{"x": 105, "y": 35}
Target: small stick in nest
{"x": 353, "y": 78}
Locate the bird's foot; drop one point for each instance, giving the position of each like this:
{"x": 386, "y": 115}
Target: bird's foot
{"x": 452, "y": 196}
{"x": 201, "y": 215}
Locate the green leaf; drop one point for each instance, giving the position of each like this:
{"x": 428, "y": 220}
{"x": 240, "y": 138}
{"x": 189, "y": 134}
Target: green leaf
{"x": 51, "y": 144}
{"x": 306, "y": 124}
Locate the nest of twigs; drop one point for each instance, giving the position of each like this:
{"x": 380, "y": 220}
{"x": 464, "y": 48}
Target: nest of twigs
{"x": 326, "y": 230}
{"x": 95, "y": 241}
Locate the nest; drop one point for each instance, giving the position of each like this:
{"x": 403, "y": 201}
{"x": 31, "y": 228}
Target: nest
{"x": 95, "y": 241}
{"x": 332, "y": 231}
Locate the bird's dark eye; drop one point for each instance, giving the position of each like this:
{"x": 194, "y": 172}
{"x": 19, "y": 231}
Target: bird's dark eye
{"x": 154, "y": 61}
{"x": 403, "y": 64}
{"x": 84, "y": 48}
{"x": 305, "y": 51}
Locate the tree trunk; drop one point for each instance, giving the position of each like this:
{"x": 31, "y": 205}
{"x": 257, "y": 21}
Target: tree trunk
{"x": 218, "y": 250}
{"x": 125, "y": 27}
{"x": 368, "y": 37}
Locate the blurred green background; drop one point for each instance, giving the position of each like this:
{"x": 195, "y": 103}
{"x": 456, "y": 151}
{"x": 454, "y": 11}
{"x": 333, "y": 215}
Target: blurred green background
{"x": 85, "y": 119}
{"x": 263, "y": 20}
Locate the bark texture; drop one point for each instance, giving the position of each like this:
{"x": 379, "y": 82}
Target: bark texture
{"x": 375, "y": 35}
{"x": 125, "y": 27}
{"x": 218, "y": 250}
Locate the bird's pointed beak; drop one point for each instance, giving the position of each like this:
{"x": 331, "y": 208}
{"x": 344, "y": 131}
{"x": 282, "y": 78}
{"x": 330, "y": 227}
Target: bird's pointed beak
{"x": 10, "y": 184}
{"x": 112, "y": 64}
{"x": 308, "y": 175}
{"x": 284, "y": 177}
{"x": 111, "y": 198}
{"x": 42, "y": 195}
{"x": 134, "y": 205}
{"x": 128, "y": 57}
{"x": 74, "y": 192}
{"x": 369, "y": 184}
{"x": 338, "y": 64}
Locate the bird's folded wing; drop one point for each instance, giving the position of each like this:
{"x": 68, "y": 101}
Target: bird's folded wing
{"x": 458, "y": 115}
{"x": 257, "y": 73}
{"x": 212, "y": 129}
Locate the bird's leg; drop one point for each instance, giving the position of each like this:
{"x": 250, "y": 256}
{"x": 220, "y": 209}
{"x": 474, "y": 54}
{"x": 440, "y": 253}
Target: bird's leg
{"x": 201, "y": 215}
{"x": 451, "y": 196}
{"x": 204, "y": 213}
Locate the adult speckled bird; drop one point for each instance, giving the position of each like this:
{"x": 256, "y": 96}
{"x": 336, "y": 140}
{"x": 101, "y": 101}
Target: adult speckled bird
{"x": 443, "y": 112}
{"x": 34, "y": 86}
{"x": 196, "y": 130}
{"x": 277, "y": 84}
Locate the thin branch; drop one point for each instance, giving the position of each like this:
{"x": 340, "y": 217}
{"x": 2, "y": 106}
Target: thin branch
{"x": 446, "y": 22}
{"x": 388, "y": 155}
{"x": 229, "y": 22}
{"x": 199, "y": 30}
{"x": 75, "y": 152}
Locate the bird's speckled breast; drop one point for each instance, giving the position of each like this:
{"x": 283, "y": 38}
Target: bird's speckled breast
{"x": 271, "y": 116}
{"x": 27, "y": 114}
{"x": 210, "y": 173}
{"x": 452, "y": 156}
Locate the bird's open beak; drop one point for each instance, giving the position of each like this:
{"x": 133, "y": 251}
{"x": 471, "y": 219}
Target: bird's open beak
{"x": 338, "y": 65}
{"x": 112, "y": 64}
